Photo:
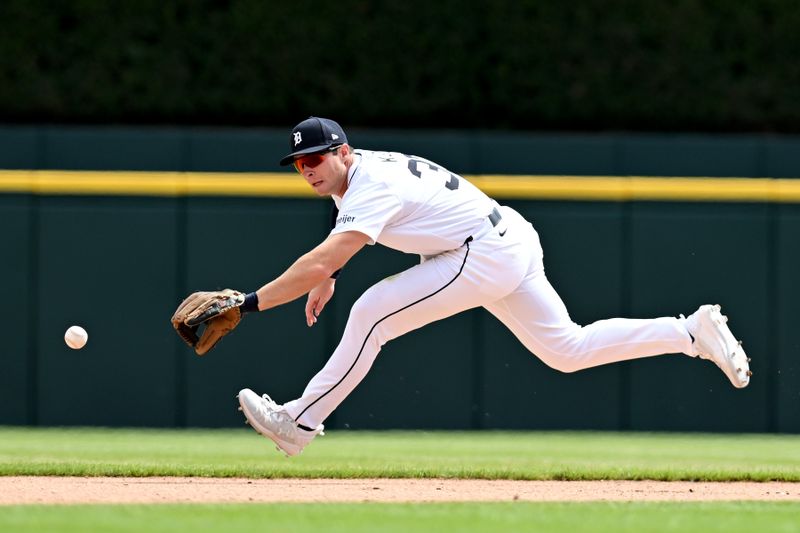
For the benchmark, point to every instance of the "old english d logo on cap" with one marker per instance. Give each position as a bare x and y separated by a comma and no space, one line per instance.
312,135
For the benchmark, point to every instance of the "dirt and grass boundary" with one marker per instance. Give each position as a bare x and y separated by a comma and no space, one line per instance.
128,490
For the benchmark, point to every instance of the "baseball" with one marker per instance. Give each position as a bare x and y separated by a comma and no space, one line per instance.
76,337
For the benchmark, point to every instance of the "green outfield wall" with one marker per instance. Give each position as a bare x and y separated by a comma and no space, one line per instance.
465,151
119,265
116,252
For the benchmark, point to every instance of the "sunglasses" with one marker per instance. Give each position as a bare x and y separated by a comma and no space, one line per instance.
312,160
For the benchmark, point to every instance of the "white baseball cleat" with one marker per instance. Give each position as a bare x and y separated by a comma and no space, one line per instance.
713,340
272,421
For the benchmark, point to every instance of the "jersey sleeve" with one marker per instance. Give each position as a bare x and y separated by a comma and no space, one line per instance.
367,210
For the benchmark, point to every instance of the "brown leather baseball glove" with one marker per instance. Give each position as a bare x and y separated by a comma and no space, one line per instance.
217,310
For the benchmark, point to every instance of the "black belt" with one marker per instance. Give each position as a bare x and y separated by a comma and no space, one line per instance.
495,217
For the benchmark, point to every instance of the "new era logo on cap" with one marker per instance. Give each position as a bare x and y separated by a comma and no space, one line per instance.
314,135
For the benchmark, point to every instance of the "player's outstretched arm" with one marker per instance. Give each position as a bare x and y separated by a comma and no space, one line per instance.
311,269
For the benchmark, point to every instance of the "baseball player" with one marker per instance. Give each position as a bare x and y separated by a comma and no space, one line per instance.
474,253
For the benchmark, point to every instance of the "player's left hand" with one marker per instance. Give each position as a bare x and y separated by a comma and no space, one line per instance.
317,298
218,310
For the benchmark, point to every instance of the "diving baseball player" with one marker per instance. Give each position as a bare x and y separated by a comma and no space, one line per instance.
475,253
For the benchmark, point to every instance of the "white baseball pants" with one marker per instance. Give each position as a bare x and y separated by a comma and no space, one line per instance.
503,274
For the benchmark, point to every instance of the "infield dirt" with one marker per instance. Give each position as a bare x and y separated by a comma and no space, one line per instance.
76,490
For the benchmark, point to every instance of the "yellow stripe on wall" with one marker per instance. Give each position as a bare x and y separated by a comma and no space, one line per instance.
640,188
153,183
288,185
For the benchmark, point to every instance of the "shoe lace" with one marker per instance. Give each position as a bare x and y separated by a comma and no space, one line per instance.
270,402
270,409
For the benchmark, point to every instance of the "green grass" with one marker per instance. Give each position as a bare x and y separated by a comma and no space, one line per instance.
728,517
349,454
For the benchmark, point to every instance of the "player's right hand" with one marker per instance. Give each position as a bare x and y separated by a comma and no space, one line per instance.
317,298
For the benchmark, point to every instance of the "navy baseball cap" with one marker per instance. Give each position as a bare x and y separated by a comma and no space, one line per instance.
312,135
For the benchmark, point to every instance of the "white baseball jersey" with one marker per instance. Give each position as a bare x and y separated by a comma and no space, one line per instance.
409,203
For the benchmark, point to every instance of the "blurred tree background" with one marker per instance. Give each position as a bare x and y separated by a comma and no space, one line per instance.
680,65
